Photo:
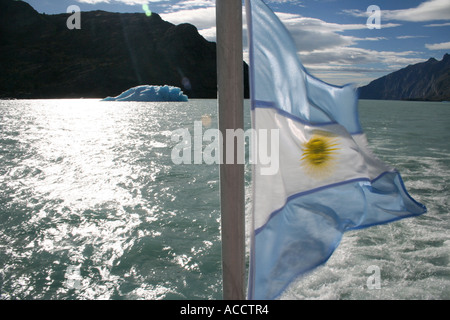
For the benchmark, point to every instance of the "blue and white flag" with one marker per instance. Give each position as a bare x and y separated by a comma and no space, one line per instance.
327,182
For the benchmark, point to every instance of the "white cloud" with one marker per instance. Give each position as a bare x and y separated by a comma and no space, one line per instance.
93,1
323,46
427,11
438,24
189,4
355,65
410,37
310,32
314,34
296,3
438,46
203,18
351,56
314,24
127,2
371,39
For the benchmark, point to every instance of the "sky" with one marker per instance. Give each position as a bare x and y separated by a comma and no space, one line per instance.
336,39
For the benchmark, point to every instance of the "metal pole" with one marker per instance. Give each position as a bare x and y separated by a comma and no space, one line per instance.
230,104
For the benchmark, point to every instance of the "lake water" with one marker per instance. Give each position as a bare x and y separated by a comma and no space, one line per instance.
93,207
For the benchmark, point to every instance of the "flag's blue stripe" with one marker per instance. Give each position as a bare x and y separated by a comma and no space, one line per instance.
307,192
266,291
271,105
416,208
312,227
402,189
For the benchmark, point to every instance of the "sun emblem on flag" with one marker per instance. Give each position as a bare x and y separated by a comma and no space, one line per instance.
319,154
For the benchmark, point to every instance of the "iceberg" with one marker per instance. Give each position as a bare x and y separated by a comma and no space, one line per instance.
150,93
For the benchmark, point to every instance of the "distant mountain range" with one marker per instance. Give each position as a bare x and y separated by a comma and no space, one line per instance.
112,52
429,81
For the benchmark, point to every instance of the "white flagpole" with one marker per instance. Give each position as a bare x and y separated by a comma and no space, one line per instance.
230,104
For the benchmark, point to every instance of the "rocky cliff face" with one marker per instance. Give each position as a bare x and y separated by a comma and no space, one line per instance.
428,80
42,58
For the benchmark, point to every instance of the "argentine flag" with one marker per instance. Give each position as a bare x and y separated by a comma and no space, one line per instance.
328,181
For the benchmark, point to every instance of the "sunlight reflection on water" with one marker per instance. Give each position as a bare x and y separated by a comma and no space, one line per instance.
92,207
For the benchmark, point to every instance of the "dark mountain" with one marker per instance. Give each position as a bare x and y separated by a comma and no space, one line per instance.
41,58
428,80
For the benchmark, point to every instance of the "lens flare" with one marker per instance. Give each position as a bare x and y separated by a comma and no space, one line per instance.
147,10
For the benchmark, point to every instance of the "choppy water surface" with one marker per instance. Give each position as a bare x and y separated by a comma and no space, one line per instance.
92,206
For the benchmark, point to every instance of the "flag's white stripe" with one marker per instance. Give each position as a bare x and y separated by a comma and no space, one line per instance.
350,161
